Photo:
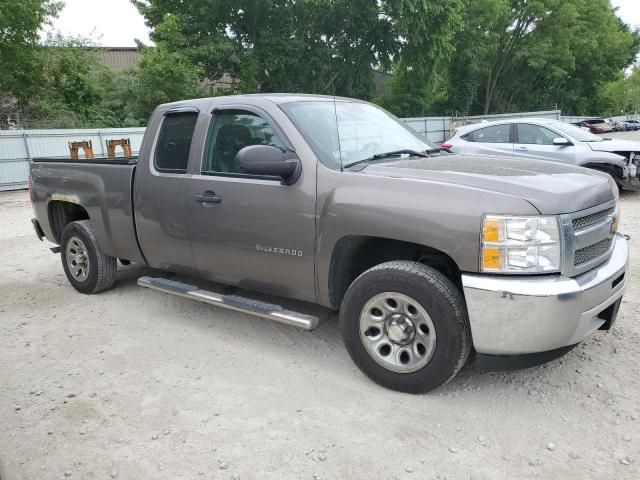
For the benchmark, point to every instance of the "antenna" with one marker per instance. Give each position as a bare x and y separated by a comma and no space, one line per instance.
335,108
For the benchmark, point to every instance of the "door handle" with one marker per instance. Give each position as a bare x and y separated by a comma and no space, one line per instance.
207,197
522,149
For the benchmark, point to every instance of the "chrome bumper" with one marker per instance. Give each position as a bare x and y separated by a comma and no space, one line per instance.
515,315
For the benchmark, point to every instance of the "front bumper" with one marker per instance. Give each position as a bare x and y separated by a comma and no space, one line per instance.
514,315
632,180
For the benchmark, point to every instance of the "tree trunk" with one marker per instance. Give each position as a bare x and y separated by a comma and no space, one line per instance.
487,97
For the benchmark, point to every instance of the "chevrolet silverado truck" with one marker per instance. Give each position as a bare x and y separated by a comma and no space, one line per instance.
428,257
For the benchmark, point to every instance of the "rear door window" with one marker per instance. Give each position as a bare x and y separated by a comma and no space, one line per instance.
493,134
174,142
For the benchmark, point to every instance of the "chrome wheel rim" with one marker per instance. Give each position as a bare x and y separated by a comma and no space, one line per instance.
397,332
77,259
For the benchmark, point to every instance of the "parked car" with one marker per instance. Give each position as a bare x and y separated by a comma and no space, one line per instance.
632,125
598,125
548,139
618,126
581,126
338,203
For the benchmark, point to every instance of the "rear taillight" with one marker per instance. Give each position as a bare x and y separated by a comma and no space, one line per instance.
446,146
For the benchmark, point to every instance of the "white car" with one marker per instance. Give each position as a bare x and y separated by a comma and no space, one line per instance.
549,139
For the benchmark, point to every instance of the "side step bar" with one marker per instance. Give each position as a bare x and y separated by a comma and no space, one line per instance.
233,302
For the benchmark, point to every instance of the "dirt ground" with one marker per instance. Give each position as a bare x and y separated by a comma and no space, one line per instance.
134,384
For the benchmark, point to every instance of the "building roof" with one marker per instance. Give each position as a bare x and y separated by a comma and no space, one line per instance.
118,59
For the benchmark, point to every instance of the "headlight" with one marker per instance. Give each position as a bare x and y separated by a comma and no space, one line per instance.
520,244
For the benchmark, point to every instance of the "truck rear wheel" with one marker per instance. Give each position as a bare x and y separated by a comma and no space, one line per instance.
405,326
88,268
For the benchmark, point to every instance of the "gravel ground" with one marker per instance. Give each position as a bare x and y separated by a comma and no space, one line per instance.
134,384
623,135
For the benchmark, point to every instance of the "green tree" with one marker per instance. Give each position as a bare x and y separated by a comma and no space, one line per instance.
72,86
423,30
77,90
162,76
473,44
537,54
20,72
621,95
312,46
20,22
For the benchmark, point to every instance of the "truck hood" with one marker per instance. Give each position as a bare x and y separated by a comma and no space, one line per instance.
552,188
615,145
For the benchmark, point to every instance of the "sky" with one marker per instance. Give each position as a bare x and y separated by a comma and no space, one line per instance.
109,23
629,11
117,23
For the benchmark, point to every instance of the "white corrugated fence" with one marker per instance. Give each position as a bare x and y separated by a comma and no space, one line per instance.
17,147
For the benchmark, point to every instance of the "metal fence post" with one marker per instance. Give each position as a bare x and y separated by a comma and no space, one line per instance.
26,145
101,144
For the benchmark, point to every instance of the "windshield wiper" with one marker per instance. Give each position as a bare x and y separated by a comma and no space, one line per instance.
393,153
397,153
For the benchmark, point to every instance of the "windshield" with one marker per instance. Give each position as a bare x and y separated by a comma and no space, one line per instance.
576,133
362,131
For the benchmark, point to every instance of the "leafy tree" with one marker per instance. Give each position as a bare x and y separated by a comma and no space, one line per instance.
569,58
465,56
474,44
71,89
20,22
78,91
422,32
20,72
313,46
163,76
622,95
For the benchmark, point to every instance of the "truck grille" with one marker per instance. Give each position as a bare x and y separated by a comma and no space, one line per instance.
588,238
587,254
588,220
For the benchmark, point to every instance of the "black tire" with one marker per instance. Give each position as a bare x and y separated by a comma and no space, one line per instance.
101,270
437,295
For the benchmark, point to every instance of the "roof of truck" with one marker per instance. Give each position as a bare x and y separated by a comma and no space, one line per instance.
277,98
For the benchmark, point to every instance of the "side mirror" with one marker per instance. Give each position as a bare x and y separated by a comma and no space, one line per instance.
269,161
561,142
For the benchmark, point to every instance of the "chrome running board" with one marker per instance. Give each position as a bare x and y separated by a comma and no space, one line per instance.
233,302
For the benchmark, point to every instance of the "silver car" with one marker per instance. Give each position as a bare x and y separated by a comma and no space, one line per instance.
550,139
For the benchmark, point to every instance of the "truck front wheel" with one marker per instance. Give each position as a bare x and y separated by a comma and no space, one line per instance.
88,268
405,326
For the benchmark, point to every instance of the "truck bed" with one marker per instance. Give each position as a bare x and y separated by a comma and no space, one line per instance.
102,186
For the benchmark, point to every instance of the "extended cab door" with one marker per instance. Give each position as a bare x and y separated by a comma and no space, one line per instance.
162,187
536,141
250,231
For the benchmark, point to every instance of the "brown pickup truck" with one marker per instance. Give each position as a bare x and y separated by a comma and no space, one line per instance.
427,256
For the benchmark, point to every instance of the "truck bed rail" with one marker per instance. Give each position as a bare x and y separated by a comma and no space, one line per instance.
95,161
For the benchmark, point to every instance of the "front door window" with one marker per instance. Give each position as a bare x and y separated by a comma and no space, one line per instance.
230,132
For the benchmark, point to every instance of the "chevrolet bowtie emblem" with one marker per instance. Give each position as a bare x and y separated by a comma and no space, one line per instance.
614,225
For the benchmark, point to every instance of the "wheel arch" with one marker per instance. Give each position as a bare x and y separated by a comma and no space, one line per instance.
354,254
61,213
